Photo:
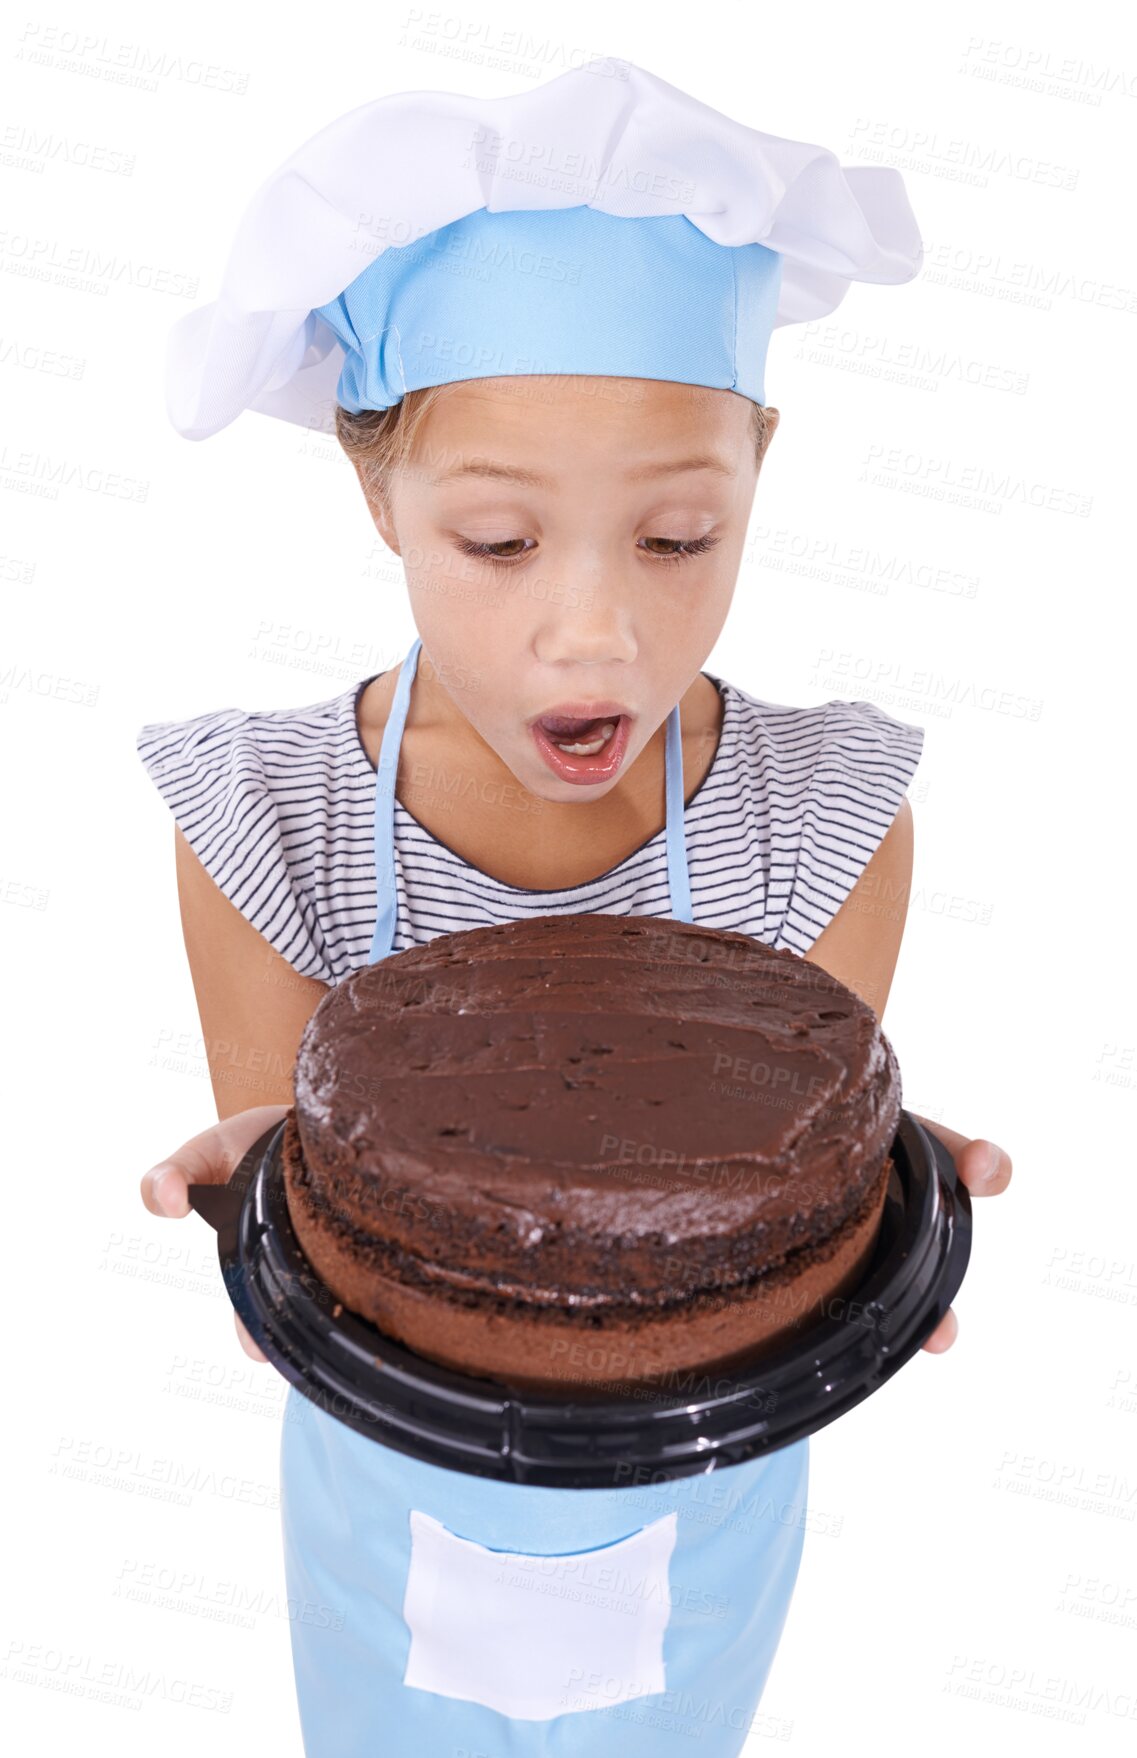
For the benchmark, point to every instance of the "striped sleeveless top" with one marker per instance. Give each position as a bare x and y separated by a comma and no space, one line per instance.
278,805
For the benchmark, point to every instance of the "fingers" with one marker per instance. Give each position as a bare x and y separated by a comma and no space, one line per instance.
210,1157
985,1167
246,1341
164,1190
944,1334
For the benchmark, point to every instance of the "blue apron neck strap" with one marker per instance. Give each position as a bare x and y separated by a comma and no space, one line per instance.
678,878
386,898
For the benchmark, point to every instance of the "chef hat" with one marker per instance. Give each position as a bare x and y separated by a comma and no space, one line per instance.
605,223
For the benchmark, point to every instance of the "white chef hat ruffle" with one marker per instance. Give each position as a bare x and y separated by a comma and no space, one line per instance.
605,222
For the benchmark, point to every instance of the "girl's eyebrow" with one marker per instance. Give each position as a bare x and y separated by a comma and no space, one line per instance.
531,479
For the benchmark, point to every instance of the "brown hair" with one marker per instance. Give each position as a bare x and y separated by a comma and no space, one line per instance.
379,441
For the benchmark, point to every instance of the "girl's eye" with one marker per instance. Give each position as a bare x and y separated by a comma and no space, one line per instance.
488,552
677,551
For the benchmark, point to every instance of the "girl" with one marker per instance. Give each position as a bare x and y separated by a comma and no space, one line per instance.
556,414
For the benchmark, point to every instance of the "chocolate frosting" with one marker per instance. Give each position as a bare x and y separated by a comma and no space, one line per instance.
587,1111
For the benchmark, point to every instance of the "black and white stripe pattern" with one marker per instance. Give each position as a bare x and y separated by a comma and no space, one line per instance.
279,805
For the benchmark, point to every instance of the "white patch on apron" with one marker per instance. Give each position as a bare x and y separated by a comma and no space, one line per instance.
537,1636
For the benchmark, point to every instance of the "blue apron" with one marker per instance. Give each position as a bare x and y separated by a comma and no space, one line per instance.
437,1612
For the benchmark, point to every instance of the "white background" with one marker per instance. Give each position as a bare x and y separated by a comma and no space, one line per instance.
964,442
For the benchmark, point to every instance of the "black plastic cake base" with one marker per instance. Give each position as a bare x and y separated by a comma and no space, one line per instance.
707,1420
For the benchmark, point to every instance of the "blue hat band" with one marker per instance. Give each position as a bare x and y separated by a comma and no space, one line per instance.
567,290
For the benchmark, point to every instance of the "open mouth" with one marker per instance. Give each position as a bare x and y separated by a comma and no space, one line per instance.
582,749
579,738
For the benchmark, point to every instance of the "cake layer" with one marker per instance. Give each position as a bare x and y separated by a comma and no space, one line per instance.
575,1112
676,1345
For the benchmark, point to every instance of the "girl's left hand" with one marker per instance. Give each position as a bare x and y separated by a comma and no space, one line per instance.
985,1168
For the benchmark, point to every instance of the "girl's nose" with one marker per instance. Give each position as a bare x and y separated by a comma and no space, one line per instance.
586,629
593,647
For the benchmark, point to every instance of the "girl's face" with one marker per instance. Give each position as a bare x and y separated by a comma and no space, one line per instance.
571,547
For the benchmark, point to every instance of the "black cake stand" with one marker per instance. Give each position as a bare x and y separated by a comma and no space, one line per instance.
465,1423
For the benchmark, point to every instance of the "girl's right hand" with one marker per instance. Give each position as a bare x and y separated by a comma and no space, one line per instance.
209,1158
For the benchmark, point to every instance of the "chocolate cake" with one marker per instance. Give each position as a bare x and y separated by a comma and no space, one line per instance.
590,1151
